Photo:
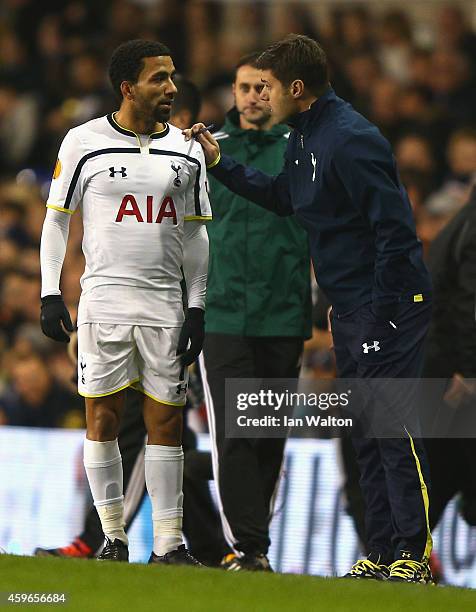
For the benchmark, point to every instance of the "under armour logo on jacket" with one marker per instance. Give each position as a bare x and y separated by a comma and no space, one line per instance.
314,164
113,171
375,346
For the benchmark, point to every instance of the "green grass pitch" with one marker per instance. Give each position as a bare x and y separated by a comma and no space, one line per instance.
97,586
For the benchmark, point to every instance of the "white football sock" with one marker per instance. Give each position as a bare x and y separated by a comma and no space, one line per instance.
103,464
164,480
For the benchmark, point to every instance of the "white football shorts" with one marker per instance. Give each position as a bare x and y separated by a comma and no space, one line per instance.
113,357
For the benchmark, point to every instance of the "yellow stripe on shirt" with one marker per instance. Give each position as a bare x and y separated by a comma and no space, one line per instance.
65,210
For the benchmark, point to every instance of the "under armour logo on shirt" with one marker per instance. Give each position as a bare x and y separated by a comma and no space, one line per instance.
314,164
375,346
113,171
181,389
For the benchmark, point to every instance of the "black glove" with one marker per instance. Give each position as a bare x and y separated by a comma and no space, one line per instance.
53,313
193,329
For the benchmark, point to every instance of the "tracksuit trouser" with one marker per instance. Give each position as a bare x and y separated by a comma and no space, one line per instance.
246,470
394,477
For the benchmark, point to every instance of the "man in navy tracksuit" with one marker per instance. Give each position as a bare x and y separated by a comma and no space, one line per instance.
340,180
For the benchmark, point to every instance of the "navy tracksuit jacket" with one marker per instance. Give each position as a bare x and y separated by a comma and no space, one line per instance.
340,181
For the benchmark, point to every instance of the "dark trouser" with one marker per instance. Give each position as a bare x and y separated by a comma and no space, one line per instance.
201,523
246,470
355,505
393,470
450,457
450,462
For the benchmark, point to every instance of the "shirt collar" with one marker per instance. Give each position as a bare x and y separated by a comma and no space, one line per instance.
122,130
301,120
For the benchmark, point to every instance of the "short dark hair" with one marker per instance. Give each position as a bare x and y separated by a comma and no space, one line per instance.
187,98
297,57
250,59
127,61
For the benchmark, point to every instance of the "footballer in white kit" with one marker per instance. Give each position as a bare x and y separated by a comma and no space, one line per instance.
137,195
142,193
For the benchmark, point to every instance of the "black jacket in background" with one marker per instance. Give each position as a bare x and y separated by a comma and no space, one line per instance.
451,341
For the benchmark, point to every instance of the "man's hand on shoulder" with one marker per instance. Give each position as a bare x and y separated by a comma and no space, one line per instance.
210,146
53,313
193,329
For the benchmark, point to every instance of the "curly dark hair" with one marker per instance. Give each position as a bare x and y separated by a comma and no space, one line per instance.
127,61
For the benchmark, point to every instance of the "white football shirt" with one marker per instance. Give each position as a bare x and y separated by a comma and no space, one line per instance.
135,192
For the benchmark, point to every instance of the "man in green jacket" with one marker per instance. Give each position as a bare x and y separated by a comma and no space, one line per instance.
258,313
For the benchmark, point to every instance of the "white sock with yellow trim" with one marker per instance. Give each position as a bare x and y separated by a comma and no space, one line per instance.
103,465
164,481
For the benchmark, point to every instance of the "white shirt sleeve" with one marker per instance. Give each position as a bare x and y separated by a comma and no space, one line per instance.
67,184
198,204
54,238
195,263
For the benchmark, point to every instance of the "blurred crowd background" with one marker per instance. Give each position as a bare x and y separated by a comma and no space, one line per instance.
409,67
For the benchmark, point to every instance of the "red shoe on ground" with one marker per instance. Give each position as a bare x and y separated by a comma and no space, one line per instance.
77,549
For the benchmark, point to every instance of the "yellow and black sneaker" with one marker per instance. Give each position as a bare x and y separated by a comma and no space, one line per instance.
250,562
409,570
228,560
366,569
